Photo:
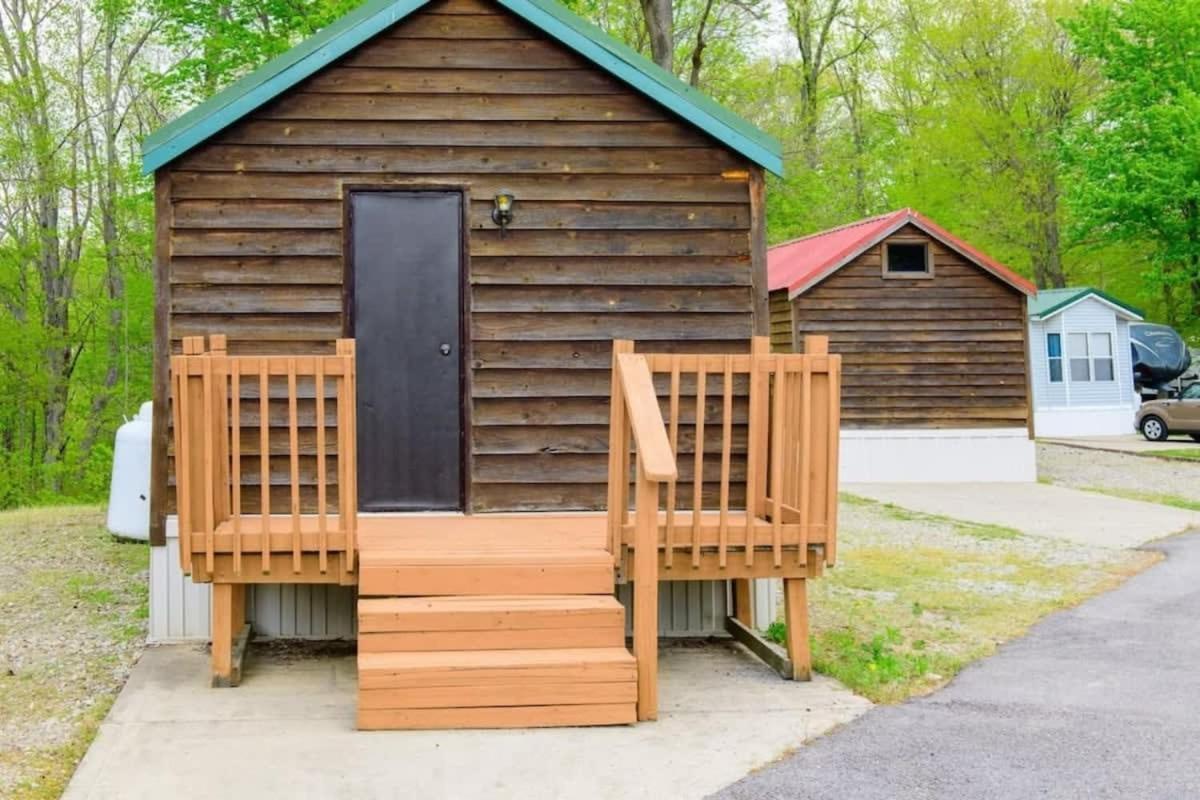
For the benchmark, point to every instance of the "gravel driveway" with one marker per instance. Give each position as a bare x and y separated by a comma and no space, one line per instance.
1118,473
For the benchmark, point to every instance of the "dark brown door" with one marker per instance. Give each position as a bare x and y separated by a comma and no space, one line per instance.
406,268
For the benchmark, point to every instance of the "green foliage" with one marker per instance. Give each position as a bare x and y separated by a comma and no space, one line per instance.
1136,159
220,41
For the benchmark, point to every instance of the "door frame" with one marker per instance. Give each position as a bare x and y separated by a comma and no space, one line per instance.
349,188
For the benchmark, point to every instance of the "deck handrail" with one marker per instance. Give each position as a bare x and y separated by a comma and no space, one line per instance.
214,393
786,410
641,424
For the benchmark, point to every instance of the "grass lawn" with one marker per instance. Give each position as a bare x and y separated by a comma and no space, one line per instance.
915,598
73,609
1182,453
1160,498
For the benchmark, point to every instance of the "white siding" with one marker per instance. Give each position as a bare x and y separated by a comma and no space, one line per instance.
1075,408
1045,393
180,609
1091,316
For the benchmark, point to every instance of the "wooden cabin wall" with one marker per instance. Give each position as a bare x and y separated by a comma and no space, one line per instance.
781,321
629,223
943,352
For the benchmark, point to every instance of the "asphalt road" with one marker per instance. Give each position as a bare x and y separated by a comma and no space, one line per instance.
1102,701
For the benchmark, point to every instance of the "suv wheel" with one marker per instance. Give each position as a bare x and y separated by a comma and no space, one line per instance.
1154,429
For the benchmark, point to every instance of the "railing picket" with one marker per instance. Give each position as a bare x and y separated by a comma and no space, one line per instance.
726,457
673,435
209,463
264,461
235,441
618,455
777,428
183,434
322,521
349,510
760,347
698,463
834,423
806,442
294,454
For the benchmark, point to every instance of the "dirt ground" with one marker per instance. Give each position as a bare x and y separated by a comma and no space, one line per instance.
73,610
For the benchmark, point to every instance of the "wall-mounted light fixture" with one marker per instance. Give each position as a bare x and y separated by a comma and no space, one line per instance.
502,213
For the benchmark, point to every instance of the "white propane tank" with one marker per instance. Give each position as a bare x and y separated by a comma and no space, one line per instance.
129,496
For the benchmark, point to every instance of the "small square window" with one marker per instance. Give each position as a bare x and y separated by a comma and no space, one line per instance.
906,258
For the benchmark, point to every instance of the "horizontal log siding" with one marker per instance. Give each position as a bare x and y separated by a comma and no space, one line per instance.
781,321
943,352
624,228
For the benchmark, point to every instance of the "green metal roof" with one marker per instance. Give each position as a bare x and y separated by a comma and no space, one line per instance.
281,73
1048,302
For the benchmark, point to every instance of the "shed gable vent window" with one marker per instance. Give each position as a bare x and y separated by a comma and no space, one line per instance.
906,259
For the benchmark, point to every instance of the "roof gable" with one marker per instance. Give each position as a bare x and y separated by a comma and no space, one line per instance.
801,264
556,21
1050,302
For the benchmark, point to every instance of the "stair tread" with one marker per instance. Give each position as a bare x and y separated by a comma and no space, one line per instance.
471,556
491,659
487,603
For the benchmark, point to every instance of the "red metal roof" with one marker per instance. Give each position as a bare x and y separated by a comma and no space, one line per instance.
802,263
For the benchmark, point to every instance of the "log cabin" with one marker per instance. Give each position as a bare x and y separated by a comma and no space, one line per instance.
400,272
934,336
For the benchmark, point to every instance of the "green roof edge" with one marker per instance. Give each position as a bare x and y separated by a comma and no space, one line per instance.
1075,296
327,45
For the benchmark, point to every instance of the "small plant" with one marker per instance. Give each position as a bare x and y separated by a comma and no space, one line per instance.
777,632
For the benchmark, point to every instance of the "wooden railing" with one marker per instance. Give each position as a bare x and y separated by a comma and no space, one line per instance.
779,467
639,421
216,398
763,460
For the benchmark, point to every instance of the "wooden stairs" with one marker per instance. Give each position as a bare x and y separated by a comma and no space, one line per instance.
505,623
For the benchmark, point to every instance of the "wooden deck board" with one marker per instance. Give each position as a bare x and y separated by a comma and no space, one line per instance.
506,717
500,695
488,613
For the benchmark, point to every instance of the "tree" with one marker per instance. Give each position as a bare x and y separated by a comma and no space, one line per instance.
1136,160
1002,87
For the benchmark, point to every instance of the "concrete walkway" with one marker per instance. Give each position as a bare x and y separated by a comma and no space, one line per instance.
1038,509
1097,702
288,731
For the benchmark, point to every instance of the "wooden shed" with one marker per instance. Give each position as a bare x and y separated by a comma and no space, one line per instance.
401,268
933,333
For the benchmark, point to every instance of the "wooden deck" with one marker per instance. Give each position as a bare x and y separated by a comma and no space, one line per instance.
510,620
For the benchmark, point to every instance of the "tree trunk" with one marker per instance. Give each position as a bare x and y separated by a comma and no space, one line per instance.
660,25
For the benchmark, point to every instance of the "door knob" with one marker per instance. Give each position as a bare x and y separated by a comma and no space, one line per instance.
445,348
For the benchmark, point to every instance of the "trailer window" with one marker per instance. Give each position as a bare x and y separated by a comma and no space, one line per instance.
1081,364
1054,356
1102,357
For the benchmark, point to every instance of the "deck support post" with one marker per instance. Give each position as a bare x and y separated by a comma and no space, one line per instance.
645,595
743,604
795,600
230,633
